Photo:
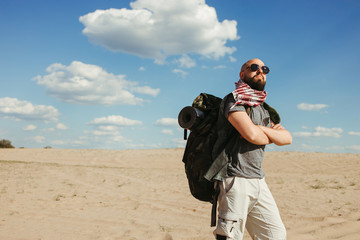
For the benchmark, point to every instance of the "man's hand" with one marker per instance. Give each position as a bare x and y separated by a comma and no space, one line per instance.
258,134
276,126
277,134
247,129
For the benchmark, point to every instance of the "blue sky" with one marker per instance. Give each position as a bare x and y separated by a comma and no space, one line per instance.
115,74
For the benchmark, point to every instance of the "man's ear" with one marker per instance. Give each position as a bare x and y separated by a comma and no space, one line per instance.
241,75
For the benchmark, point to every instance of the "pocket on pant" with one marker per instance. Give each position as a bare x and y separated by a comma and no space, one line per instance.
225,228
228,184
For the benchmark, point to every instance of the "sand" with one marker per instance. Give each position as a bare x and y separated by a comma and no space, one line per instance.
143,194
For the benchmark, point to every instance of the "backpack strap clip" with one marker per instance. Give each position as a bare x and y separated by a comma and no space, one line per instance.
185,134
214,204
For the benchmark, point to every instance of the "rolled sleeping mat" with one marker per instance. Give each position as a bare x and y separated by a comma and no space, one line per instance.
189,117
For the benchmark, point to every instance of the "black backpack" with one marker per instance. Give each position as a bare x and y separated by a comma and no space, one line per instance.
201,120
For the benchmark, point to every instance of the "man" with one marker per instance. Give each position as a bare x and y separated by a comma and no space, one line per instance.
244,128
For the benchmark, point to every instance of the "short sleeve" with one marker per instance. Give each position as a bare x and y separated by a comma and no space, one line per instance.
229,102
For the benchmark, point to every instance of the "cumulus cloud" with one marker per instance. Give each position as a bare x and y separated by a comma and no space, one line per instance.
232,59
186,62
39,139
179,71
80,142
146,90
82,83
48,129
157,29
104,133
180,143
354,147
115,120
108,128
61,126
167,122
328,132
311,107
58,142
219,67
334,148
321,132
167,131
309,147
24,110
29,128
354,133
302,134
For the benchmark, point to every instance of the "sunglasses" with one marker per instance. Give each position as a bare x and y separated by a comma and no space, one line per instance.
254,67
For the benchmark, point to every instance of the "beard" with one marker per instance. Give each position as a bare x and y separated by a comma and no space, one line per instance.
257,84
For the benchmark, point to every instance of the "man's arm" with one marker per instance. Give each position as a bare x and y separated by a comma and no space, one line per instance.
248,130
277,134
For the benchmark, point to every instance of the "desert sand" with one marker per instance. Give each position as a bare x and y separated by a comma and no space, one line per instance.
50,194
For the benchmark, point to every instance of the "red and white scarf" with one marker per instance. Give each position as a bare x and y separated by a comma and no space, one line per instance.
245,95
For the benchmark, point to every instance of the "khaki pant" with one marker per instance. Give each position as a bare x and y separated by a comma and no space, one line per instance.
248,203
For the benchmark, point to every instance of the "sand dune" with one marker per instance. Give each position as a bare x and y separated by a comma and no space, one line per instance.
143,194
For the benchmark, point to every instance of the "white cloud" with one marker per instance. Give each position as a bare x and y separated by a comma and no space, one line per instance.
146,90
61,126
39,139
354,147
24,110
179,143
82,83
48,129
182,72
302,134
167,122
141,69
80,143
311,107
108,128
354,133
121,139
232,59
29,128
321,132
219,67
157,29
334,148
328,132
58,142
115,121
186,62
104,133
309,147
167,131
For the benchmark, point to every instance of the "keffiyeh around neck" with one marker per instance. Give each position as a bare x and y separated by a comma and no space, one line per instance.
245,95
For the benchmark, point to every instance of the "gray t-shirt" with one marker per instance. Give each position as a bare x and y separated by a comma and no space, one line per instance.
242,158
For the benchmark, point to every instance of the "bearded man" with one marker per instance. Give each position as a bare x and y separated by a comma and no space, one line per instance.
244,128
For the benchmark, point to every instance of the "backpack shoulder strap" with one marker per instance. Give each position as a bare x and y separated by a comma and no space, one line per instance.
274,115
248,109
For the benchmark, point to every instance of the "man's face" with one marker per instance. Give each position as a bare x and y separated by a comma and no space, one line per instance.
255,79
